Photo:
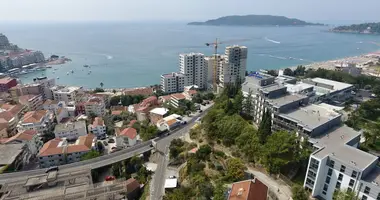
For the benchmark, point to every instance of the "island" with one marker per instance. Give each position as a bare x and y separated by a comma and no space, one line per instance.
255,20
365,28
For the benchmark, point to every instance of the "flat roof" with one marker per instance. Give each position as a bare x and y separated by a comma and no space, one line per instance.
334,145
271,88
171,183
159,111
311,116
70,126
284,100
336,85
9,153
297,87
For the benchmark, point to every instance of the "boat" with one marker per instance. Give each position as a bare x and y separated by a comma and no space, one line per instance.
85,66
67,73
57,77
48,66
72,71
55,69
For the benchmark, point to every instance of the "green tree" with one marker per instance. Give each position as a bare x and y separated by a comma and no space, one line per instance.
90,155
249,143
203,152
344,195
114,91
272,72
219,192
101,84
197,98
235,169
247,105
288,72
265,127
98,90
299,193
238,102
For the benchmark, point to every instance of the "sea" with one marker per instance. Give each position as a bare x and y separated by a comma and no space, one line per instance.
135,54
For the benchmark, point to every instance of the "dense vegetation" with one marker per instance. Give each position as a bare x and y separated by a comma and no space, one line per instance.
126,100
254,20
373,28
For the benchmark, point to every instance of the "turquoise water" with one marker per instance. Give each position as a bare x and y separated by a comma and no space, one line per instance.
135,54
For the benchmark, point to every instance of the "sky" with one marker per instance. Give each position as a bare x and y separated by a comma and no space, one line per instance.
185,10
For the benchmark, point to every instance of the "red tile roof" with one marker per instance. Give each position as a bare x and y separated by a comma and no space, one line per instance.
6,115
178,96
34,116
150,100
248,190
191,92
51,148
84,143
26,98
165,98
6,80
132,185
131,133
132,122
116,112
25,136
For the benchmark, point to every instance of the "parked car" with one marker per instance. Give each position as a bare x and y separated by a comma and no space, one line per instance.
111,140
105,143
171,177
110,178
53,168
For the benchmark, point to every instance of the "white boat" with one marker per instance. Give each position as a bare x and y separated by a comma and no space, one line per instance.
72,71
67,73
57,77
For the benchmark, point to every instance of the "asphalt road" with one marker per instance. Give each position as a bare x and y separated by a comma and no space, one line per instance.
162,147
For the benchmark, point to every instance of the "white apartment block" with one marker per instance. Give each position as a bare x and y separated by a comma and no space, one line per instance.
193,66
98,127
32,102
70,130
96,106
40,121
172,83
68,94
46,84
236,58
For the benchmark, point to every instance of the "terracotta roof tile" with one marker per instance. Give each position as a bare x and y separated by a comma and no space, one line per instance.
16,109
248,190
34,116
51,148
84,143
5,80
21,136
26,98
178,96
132,185
167,97
129,132
6,115
6,106
171,122
132,122
146,91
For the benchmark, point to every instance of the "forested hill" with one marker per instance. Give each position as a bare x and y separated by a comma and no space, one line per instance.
255,20
366,28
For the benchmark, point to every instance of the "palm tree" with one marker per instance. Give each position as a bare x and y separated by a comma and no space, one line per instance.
101,84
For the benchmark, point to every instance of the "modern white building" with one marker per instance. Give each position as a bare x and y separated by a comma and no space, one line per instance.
193,66
70,130
95,105
172,83
32,102
98,127
40,121
68,94
337,163
236,59
46,85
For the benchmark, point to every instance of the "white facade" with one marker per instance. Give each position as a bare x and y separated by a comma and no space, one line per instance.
68,94
236,58
71,130
193,66
95,106
98,127
40,121
172,83
46,84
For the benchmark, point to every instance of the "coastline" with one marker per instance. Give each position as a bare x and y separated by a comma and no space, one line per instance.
360,60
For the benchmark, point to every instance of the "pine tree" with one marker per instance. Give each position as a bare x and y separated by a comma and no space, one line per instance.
247,104
265,128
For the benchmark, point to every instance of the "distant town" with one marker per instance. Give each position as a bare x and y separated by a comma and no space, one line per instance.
211,130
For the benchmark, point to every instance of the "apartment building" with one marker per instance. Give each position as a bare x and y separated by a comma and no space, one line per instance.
28,89
95,105
51,105
172,82
13,156
211,62
97,127
236,59
28,137
6,83
70,130
46,85
68,94
193,66
40,121
59,151
32,102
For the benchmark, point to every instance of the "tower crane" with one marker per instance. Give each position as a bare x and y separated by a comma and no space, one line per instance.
216,44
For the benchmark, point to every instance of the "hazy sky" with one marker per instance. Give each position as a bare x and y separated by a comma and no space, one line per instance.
184,10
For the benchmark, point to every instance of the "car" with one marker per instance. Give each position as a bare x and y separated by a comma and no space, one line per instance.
111,140
200,111
110,178
171,177
53,168
105,143
183,122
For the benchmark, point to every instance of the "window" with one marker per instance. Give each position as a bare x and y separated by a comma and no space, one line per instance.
352,181
329,172
366,190
332,163
342,168
364,197
340,177
324,192
328,180
337,186
378,197
354,174
325,187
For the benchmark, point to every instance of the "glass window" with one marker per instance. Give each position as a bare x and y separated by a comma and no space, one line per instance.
354,174
325,187
378,197
366,190
328,180
364,197
329,172
337,186
332,163
342,168
340,177
352,181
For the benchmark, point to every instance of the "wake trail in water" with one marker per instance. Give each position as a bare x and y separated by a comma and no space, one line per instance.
273,41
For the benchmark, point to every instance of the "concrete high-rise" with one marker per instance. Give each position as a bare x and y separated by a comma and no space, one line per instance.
193,66
236,59
172,83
